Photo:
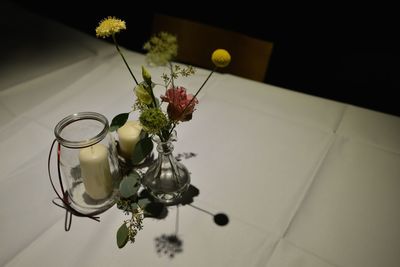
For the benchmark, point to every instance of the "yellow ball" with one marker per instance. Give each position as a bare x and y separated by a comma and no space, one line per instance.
221,58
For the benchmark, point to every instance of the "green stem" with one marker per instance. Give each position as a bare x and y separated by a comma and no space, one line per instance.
166,85
194,97
172,74
201,87
152,96
126,63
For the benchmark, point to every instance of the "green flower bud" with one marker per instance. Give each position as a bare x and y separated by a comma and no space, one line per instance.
146,76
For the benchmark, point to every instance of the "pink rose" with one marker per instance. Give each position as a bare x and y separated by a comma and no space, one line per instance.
178,109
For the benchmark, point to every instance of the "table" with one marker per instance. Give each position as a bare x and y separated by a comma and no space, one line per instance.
305,181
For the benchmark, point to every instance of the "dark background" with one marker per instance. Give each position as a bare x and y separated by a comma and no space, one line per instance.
333,50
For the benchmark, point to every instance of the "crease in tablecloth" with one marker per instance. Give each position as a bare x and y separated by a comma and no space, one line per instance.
288,254
26,210
373,127
253,161
34,45
204,243
283,103
350,216
20,141
24,97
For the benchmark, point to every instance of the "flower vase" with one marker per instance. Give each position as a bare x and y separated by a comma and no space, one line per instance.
166,178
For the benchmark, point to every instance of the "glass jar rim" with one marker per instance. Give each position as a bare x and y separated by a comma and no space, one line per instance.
87,115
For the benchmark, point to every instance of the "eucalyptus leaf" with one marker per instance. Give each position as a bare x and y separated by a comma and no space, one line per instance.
143,202
134,206
129,185
143,134
122,236
142,149
118,121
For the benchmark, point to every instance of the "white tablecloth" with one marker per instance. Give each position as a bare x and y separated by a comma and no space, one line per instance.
305,181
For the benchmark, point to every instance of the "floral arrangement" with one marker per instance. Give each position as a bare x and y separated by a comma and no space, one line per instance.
154,117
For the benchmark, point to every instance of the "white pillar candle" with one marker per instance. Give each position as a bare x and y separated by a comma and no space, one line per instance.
128,136
95,170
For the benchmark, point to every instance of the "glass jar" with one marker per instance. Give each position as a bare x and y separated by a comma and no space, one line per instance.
88,161
166,179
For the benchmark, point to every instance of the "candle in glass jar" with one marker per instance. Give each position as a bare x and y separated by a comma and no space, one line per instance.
128,136
95,170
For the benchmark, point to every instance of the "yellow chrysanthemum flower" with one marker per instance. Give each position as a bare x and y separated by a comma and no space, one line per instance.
221,58
110,26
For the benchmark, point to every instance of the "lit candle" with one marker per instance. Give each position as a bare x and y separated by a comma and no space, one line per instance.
128,136
95,171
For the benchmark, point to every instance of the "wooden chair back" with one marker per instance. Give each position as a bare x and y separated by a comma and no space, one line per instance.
197,41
